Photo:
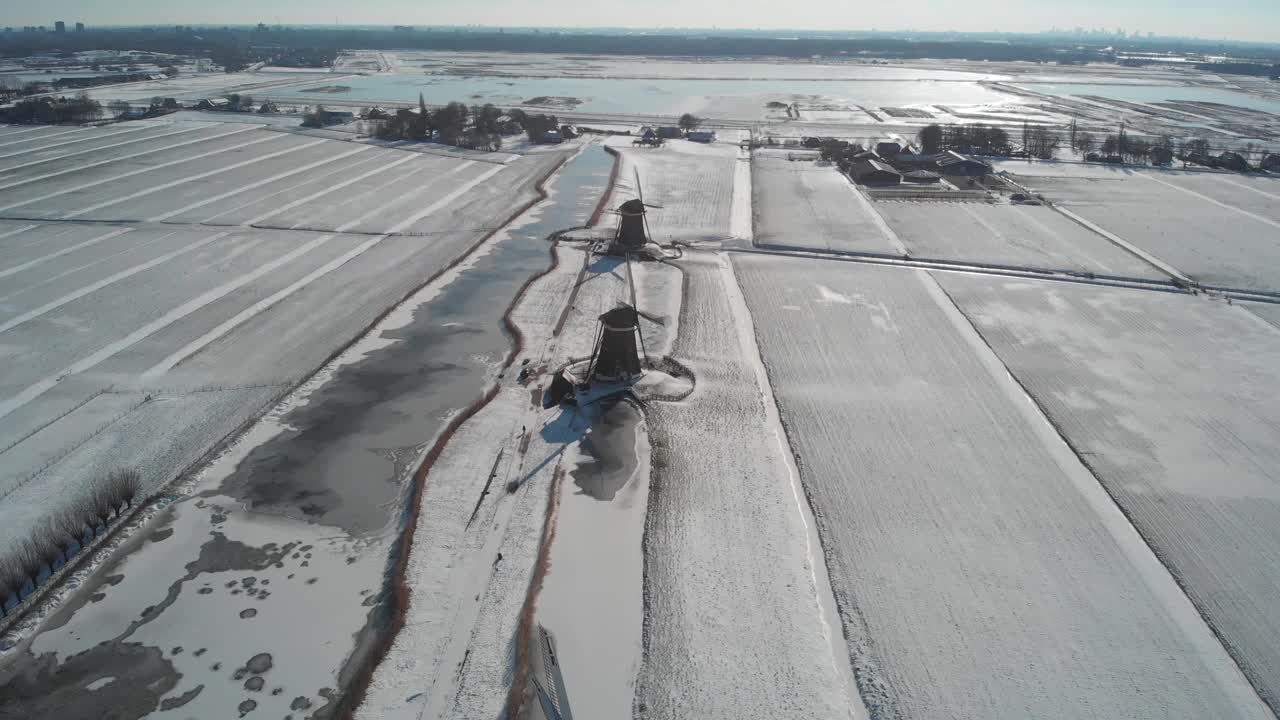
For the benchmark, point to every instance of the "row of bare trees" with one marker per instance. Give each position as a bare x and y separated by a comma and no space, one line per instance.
30,563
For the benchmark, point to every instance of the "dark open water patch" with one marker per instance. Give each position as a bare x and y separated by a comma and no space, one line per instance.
349,450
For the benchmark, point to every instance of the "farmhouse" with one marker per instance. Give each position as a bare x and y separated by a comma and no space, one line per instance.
702,136
953,163
874,172
669,132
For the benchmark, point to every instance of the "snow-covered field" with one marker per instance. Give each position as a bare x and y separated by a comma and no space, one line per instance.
693,183
980,569
143,343
1216,228
1011,235
739,620
812,205
1168,399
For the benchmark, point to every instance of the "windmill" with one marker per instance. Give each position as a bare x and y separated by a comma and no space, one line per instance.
633,224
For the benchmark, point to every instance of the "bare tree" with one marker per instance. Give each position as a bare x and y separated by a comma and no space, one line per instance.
1084,143
118,108
689,121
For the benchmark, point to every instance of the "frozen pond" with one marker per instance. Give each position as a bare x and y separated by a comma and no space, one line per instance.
648,96
1158,94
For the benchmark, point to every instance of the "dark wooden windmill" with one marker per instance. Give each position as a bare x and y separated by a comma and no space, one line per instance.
633,224
616,357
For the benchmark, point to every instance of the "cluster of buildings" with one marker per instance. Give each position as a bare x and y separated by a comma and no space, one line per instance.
655,136
892,163
59,27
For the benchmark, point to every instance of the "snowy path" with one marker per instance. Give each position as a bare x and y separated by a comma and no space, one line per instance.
977,573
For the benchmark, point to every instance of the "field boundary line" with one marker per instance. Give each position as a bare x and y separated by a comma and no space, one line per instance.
1159,264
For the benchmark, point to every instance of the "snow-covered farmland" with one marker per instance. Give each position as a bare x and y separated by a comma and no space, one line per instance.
1169,400
1217,229
812,205
980,569
1009,235
739,616
693,183
142,343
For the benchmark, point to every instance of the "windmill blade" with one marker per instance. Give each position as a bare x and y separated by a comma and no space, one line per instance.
639,189
652,205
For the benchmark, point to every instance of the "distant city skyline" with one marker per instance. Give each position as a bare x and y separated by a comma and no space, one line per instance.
1247,20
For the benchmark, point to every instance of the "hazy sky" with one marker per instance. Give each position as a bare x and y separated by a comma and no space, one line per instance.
1239,19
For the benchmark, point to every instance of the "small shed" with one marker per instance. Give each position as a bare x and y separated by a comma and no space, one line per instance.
702,136
340,117
669,132
953,163
213,104
875,172
550,137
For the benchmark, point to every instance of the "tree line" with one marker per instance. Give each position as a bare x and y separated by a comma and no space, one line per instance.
479,127
52,110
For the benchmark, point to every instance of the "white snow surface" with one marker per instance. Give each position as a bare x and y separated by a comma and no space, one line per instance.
212,323
1009,235
1165,397
692,182
734,619
812,205
1216,228
980,570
